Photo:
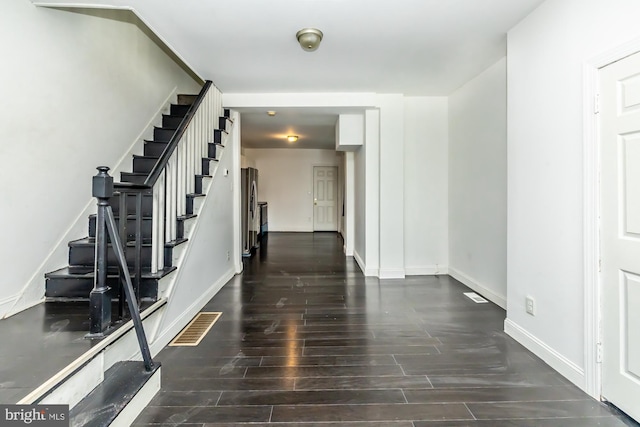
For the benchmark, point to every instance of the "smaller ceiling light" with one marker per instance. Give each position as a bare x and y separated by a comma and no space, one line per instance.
309,38
271,113
292,138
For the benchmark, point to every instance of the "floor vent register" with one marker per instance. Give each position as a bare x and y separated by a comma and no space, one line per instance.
196,330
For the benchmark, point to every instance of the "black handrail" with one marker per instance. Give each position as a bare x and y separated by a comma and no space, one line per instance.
177,136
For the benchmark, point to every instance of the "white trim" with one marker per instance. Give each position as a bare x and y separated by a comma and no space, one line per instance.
557,361
359,261
499,300
427,270
180,322
591,207
6,304
140,400
289,229
391,273
71,390
591,235
368,272
73,5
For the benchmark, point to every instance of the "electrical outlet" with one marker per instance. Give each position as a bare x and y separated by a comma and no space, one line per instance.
228,256
530,306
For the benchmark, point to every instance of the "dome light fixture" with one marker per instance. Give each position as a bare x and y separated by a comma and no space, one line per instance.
309,38
292,138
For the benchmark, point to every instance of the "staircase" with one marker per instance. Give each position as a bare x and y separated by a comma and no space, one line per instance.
154,207
75,282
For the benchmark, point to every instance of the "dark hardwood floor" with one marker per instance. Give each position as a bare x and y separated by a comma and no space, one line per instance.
307,340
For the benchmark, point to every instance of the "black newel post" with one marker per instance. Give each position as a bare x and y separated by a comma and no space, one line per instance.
100,298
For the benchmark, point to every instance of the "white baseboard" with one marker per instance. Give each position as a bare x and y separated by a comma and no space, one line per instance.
429,270
367,271
180,322
392,273
557,361
296,229
6,304
499,300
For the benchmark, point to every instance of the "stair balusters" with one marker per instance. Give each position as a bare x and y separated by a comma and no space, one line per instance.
171,183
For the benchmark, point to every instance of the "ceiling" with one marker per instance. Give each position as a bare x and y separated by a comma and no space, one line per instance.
413,47
315,128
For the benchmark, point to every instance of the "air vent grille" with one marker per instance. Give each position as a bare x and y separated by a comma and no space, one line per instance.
196,329
475,298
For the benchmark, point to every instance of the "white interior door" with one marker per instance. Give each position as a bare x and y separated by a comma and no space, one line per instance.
325,203
620,233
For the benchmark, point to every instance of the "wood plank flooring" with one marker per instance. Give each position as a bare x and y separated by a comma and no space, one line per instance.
306,340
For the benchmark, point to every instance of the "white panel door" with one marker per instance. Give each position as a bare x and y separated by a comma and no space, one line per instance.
325,203
620,233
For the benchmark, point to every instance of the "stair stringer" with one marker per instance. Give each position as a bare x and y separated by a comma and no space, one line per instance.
33,291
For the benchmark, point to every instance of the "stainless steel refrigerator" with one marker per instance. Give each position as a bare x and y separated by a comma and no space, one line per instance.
250,211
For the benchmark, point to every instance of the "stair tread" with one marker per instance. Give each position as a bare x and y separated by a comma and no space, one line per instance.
140,156
81,273
121,383
135,173
186,217
130,216
90,241
149,217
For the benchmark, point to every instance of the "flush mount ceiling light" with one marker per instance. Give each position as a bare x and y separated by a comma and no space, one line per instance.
309,38
271,113
292,138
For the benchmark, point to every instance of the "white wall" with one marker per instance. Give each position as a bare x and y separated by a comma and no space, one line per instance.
478,183
391,176
285,181
547,51
425,185
360,214
78,91
349,186
245,161
370,261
